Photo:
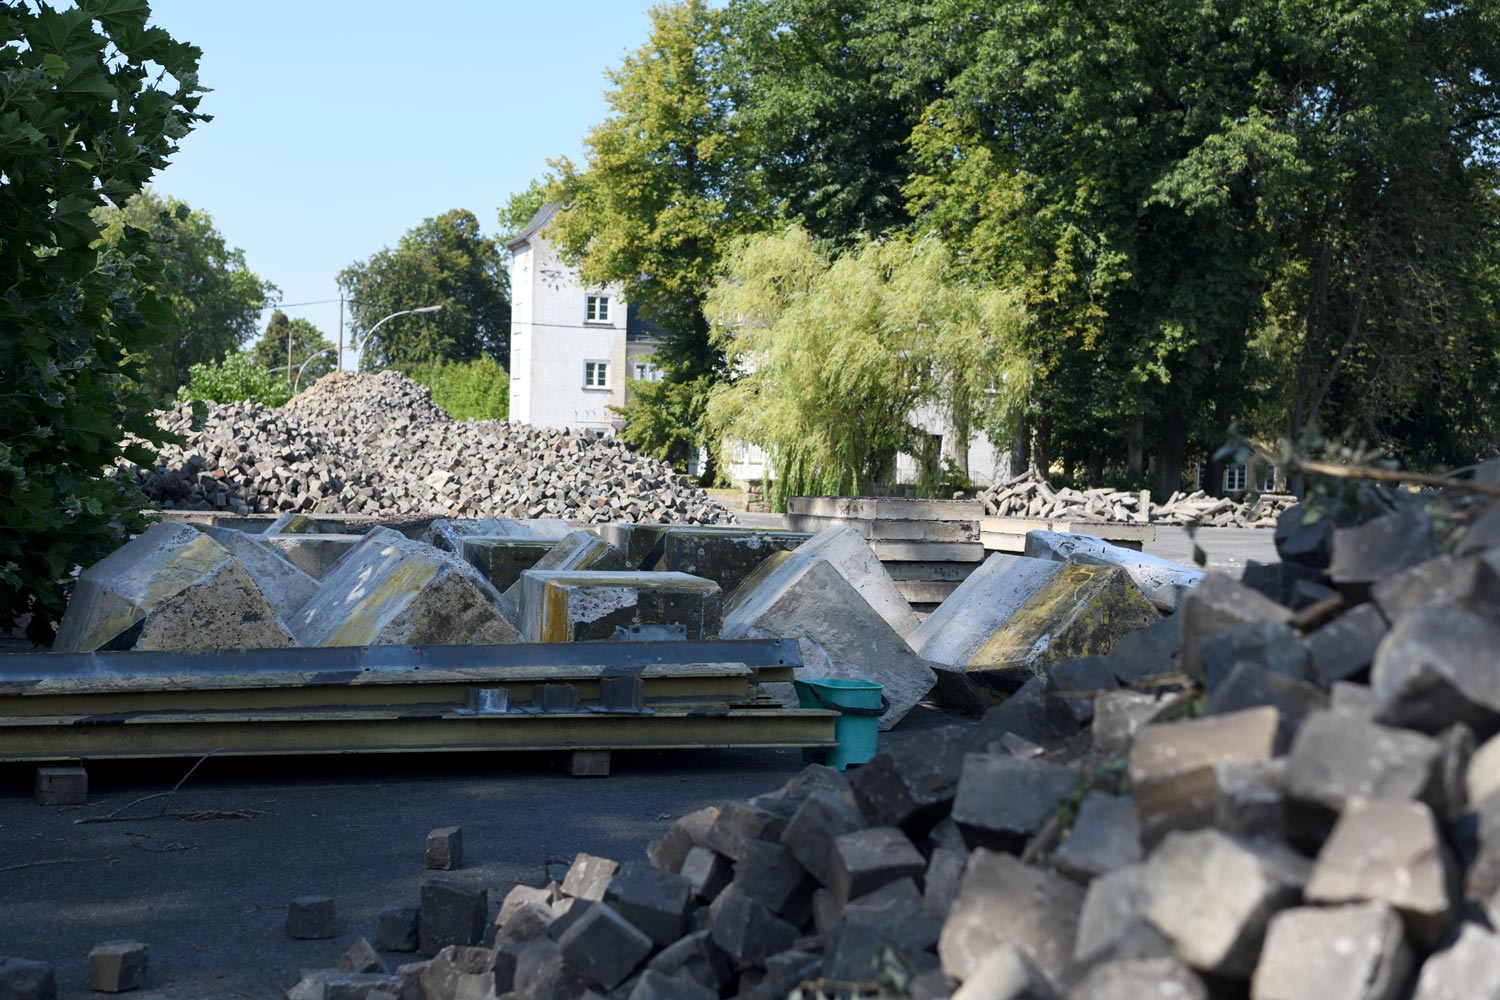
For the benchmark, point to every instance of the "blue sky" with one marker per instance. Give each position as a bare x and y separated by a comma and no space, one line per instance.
338,124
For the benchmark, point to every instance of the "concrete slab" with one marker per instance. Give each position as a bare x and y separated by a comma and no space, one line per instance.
575,551
447,532
315,554
286,586
293,523
1161,580
725,555
169,588
839,633
1014,612
563,606
390,589
502,560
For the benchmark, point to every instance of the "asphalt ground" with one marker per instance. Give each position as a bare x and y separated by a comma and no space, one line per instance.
206,887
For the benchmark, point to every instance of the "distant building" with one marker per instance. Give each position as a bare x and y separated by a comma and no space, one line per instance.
572,346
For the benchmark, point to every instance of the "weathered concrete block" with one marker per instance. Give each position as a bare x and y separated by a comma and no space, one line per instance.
576,606
1346,646
1336,757
1003,800
396,929
1213,894
501,561
465,972
838,632
1120,715
1113,907
518,896
317,555
655,901
865,860
1005,901
530,921
746,930
809,835
1436,667
575,552
1104,836
170,588
727,555
1216,605
444,849
1251,799
543,974
311,918
688,831
1392,853
26,979
61,786
1161,580
117,966
707,872
449,533
452,913
1469,967
1074,684
287,587
361,957
1339,953
588,877
294,523
604,945
1015,612
1148,652
1135,979
847,551
391,590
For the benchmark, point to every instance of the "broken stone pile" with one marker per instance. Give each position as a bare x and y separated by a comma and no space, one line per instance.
1288,790
378,445
1027,496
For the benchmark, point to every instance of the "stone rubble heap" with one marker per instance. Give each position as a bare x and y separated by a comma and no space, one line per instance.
1027,496
1288,790
378,445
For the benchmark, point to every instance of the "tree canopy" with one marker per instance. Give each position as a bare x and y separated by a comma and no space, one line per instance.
306,340
446,261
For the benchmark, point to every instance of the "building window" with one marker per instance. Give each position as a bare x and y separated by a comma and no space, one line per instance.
1266,479
646,372
597,310
1234,478
596,374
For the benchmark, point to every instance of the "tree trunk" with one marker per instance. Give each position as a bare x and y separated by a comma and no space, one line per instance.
1169,455
956,444
1042,446
1135,449
1020,449
1096,466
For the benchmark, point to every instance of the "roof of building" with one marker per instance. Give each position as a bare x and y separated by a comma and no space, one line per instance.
541,218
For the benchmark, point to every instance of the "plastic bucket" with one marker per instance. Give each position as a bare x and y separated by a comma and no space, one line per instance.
860,705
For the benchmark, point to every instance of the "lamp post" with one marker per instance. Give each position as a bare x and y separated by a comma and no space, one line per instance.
303,367
404,312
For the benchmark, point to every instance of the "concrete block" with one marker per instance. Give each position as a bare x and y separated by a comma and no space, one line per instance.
1213,894
26,979
1346,646
1074,684
1120,715
361,957
839,633
1104,836
391,590
543,974
1337,757
1374,550
769,874
317,555
396,929
1436,667
912,784
685,833
741,822
1272,646
1003,800
727,555
518,896
1002,900
707,872
453,912
1391,853
852,556
1019,613
588,877
698,958
501,561
311,918
293,523
466,972
449,533
444,849
286,586
589,763
1135,979
530,921
170,588
604,945
1113,907
1161,580
865,860
576,606
575,552
1216,605
655,901
117,966
822,817
61,786
1249,686
1336,953
1469,967
747,931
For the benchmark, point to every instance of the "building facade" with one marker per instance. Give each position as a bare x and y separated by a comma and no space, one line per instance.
572,346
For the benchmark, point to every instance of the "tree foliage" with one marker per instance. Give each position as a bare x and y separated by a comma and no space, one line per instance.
216,298
521,207
468,390
306,341
92,102
238,378
445,261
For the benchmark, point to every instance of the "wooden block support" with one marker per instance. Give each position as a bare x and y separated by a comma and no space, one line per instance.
589,763
61,786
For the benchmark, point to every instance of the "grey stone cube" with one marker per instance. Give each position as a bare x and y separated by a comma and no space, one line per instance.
311,918
117,966
452,912
444,849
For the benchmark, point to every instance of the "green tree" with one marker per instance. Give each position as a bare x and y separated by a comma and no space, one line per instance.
239,377
306,340
522,206
467,390
216,297
93,103
662,196
447,262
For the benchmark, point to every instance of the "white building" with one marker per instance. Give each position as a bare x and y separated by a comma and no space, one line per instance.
572,347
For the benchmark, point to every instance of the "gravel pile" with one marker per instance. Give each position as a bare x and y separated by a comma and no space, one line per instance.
378,445
1025,496
1290,790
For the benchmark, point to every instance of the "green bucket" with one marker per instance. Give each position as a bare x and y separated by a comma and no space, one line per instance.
860,705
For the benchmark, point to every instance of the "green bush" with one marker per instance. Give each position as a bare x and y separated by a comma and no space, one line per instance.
468,390
238,377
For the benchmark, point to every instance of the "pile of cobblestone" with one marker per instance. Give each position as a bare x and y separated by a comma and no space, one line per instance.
1028,496
378,445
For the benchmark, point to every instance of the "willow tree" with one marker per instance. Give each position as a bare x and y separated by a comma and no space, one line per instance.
833,356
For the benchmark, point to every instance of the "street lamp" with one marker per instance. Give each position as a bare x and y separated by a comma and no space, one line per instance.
405,312
303,367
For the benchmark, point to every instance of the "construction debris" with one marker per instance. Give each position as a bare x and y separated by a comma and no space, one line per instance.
1031,497
376,444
